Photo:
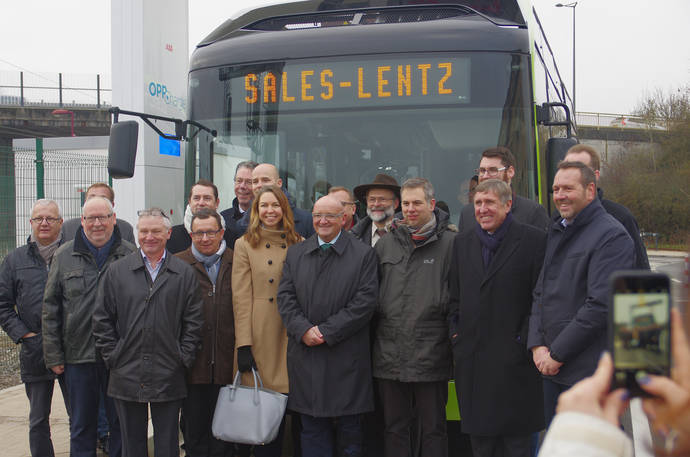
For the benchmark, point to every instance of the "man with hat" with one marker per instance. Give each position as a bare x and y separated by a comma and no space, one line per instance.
382,197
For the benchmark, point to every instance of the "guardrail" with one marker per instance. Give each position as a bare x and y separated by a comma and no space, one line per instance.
54,89
622,121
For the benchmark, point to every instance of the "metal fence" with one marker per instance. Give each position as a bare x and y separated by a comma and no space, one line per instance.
61,89
29,174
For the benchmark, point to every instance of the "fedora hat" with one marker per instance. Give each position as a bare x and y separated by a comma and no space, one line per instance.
381,181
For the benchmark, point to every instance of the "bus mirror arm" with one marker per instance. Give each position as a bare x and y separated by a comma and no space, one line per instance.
544,116
180,125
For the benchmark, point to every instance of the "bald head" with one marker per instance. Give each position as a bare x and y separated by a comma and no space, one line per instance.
328,217
265,174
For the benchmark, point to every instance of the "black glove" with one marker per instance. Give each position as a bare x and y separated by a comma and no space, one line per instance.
245,359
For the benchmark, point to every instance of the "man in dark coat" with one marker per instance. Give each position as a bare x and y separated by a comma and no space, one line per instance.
212,261
203,194
266,174
567,329
499,163
326,298
147,326
242,201
493,271
23,276
590,157
99,189
382,197
68,305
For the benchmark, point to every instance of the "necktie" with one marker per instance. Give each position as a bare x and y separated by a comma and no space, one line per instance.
325,246
381,232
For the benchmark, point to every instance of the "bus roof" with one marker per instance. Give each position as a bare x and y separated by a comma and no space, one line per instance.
435,28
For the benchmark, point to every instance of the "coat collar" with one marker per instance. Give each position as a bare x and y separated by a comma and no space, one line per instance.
508,246
312,243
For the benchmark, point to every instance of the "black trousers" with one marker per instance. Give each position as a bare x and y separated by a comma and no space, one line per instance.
40,395
501,446
197,415
410,409
134,427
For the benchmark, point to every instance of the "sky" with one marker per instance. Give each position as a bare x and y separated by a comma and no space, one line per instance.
625,49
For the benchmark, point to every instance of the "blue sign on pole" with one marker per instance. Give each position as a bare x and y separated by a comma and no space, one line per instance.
168,147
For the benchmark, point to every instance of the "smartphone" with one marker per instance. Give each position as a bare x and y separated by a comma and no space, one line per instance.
639,327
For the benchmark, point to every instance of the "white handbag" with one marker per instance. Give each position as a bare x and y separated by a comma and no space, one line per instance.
248,415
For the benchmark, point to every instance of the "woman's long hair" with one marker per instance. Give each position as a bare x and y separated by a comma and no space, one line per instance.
253,234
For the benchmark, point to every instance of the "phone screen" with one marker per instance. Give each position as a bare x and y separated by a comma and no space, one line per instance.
640,329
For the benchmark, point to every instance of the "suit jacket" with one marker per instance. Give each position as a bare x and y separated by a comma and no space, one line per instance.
494,371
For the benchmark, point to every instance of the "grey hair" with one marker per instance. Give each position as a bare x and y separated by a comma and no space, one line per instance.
154,211
108,203
47,202
497,186
414,183
250,164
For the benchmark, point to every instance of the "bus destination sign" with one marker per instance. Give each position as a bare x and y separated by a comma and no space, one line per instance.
350,84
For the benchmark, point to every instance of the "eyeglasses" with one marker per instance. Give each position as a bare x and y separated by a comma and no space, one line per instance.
101,219
493,171
211,235
377,200
49,220
328,217
152,212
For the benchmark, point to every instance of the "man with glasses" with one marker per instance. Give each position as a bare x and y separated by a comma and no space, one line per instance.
23,276
243,198
98,189
326,298
147,326
499,163
211,260
203,194
69,304
347,198
412,354
382,197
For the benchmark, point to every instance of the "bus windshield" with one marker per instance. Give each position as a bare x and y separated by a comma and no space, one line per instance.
339,122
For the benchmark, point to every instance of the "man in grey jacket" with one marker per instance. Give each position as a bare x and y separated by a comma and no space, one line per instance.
567,328
23,278
147,326
69,302
412,355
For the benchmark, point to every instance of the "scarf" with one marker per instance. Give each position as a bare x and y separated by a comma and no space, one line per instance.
420,235
211,262
491,242
100,254
48,250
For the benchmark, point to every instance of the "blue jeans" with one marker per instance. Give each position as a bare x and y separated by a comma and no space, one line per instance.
321,435
85,382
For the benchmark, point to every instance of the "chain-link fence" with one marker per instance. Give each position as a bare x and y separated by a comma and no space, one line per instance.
28,174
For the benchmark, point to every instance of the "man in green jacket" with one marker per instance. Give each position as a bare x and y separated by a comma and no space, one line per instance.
68,306
412,355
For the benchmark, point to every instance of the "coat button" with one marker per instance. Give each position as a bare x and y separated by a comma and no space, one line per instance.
283,246
270,280
268,245
210,293
282,235
270,262
270,299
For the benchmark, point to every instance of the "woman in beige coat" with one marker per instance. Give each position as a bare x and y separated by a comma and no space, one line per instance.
260,337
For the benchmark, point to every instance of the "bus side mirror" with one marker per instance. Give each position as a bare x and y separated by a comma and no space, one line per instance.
122,149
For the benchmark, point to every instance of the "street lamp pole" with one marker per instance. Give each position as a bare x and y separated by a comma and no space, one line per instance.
571,5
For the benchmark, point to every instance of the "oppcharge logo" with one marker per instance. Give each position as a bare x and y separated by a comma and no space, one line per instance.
160,91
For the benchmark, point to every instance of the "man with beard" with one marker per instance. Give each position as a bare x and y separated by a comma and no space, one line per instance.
499,163
382,197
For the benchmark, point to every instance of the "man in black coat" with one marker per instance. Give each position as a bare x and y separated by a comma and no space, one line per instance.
499,163
23,277
590,157
242,201
567,329
203,194
494,269
326,298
